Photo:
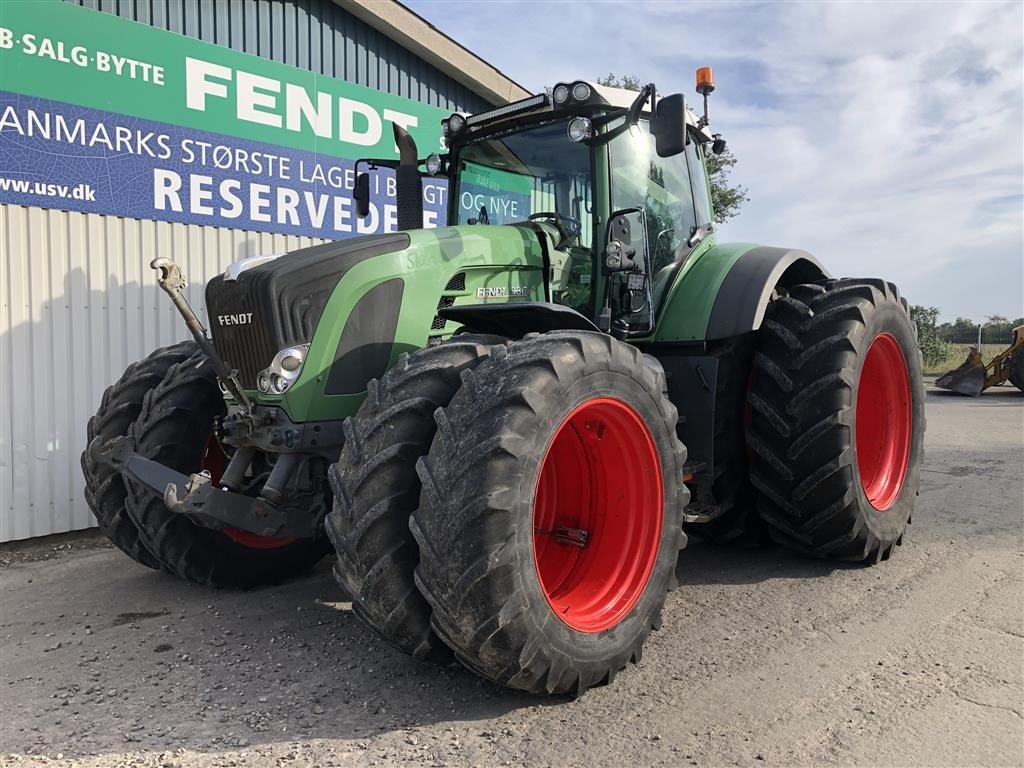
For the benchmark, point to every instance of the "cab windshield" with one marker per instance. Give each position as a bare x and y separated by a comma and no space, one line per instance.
511,178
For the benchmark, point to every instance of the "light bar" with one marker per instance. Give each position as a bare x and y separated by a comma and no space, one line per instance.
515,107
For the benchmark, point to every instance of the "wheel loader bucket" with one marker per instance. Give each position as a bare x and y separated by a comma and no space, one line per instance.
968,379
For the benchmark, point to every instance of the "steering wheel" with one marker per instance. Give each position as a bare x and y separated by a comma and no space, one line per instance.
568,227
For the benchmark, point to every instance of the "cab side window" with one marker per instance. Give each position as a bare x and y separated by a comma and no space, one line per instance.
699,182
659,185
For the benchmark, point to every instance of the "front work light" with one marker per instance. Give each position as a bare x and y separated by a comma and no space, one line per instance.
456,123
560,94
580,129
433,164
581,91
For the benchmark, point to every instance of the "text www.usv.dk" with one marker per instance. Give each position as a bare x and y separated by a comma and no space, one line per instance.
77,192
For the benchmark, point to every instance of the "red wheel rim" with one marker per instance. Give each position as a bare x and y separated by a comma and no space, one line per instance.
883,422
215,462
600,474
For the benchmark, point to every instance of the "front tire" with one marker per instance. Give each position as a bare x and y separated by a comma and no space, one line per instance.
175,428
837,428
563,433
105,490
376,490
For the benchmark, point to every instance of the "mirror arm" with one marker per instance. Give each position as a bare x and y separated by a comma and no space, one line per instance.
631,117
699,233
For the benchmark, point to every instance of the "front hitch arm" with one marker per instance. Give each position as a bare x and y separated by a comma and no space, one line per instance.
172,281
199,498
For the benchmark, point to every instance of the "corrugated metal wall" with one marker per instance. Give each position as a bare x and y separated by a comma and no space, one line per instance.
74,314
78,302
317,35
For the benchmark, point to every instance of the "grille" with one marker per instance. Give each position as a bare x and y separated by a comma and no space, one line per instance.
457,282
247,347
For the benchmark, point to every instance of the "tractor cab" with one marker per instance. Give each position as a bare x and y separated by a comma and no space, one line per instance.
615,179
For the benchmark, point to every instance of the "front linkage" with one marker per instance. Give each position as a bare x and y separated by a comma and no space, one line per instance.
218,502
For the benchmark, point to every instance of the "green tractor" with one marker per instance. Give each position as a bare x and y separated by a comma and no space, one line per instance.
505,428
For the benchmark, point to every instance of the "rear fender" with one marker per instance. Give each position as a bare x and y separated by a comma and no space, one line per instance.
724,291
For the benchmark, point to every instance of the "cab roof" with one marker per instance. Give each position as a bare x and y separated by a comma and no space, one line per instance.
601,96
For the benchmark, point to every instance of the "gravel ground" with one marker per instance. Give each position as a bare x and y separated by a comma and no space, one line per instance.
764,658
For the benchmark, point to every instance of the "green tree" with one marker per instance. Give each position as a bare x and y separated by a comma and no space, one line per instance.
933,348
726,198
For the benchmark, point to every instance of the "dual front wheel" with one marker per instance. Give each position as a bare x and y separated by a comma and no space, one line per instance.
544,521
168,403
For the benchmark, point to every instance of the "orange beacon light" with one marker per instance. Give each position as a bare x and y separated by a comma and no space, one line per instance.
705,81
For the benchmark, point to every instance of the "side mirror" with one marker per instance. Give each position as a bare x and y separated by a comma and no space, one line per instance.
669,126
361,194
718,145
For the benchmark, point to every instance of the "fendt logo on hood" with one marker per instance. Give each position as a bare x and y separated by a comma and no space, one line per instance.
242,318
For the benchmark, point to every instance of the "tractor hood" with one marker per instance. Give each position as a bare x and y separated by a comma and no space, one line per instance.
359,303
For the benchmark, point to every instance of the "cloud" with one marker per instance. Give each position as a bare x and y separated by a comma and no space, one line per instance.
887,139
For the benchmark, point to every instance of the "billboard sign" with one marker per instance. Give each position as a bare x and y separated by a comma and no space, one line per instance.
105,115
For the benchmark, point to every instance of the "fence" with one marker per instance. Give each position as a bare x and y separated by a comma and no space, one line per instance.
977,335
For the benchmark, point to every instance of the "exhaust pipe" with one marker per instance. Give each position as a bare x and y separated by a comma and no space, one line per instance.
408,182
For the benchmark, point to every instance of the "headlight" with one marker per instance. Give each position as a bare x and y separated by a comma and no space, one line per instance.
433,164
581,91
283,371
580,129
560,94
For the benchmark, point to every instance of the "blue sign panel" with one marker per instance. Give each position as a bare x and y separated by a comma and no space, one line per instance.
58,155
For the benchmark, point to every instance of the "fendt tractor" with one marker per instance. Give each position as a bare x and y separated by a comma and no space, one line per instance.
505,428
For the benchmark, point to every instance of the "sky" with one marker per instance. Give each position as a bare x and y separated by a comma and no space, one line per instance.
886,139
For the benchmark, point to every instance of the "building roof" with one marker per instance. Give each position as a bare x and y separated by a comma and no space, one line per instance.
426,41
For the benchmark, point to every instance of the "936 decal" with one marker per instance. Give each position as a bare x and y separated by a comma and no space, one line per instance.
502,292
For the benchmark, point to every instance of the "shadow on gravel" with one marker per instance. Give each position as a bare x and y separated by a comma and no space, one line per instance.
123,659
702,563
1001,395
106,657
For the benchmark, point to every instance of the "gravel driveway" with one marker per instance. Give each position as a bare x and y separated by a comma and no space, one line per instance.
764,658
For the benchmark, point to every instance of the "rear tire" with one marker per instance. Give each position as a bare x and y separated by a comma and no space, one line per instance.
556,433
1016,374
376,489
105,490
173,428
837,428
